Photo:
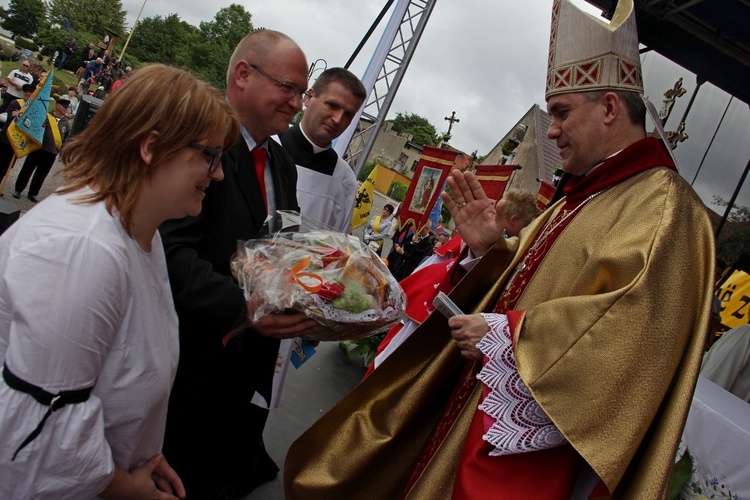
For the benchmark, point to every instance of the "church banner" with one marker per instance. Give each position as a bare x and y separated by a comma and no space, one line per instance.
429,177
543,197
363,200
494,179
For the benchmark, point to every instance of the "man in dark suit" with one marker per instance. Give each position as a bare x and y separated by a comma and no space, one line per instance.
218,406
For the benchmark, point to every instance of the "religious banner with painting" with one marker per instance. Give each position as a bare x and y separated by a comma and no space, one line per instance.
432,170
543,197
494,179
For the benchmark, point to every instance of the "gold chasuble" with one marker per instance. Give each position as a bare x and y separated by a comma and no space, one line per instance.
609,340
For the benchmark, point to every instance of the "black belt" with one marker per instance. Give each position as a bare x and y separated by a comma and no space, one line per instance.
53,401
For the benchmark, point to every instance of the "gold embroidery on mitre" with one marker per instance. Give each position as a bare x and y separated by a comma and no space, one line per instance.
586,53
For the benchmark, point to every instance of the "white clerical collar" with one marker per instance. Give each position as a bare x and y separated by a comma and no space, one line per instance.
601,162
316,149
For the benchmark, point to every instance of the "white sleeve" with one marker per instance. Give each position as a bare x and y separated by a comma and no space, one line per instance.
469,261
68,297
518,424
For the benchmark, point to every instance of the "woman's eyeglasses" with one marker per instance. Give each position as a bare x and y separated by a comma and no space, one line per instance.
214,155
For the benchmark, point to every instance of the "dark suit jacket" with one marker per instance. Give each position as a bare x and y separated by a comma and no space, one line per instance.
214,382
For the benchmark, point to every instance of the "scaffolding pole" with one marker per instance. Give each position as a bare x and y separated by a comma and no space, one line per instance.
383,77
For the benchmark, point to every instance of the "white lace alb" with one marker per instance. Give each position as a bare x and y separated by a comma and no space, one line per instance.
519,423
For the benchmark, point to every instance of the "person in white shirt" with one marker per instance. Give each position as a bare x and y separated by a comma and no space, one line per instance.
88,329
378,228
73,98
326,184
16,80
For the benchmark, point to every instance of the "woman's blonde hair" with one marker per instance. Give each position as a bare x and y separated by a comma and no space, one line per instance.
106,156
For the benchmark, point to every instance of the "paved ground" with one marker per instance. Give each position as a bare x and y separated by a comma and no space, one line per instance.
309,392
24,204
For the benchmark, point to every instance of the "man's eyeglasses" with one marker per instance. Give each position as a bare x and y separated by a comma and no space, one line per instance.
290,89
213,153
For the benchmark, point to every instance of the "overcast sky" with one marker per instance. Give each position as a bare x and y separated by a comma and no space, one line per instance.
485,60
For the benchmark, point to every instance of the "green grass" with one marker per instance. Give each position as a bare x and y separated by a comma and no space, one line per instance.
64,80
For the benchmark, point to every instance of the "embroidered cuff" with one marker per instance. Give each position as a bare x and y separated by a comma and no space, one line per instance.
519,424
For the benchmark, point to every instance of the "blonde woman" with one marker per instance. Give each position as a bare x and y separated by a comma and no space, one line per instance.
88,330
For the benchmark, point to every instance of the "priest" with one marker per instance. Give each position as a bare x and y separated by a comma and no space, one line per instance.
571,372
326,184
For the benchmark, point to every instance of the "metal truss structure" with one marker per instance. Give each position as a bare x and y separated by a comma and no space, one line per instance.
414,15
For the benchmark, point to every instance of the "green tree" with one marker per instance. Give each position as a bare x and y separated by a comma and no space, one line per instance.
161,39
25,17
366,170
423,132
212,45
734,239
91,17
477,157
398,191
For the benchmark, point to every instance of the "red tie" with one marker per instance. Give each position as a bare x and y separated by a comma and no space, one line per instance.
259,155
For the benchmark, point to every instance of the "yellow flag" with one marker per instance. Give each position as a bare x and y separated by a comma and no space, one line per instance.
363,201
21,143
734,295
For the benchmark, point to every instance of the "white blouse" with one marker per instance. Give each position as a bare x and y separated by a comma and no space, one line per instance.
82,304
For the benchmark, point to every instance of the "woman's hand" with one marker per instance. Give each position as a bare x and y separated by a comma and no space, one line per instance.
166,479
153,480
467,331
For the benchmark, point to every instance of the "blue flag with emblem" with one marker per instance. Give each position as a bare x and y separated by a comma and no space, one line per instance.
26,132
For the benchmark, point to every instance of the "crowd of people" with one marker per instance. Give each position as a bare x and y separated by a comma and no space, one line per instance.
569,371
57,128
95,68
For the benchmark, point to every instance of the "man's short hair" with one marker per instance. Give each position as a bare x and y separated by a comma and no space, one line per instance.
389,207
522,204
342,76
257,47
633,103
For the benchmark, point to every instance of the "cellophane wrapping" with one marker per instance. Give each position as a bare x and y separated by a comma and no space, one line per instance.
331,277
